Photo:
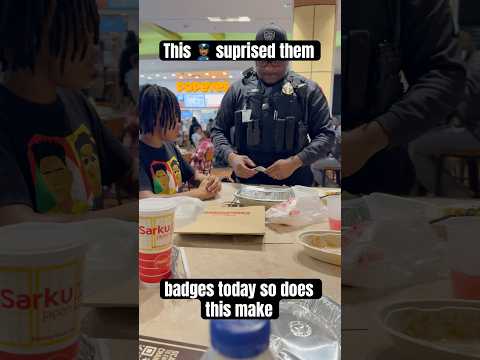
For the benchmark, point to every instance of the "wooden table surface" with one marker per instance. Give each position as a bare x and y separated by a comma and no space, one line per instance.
276,255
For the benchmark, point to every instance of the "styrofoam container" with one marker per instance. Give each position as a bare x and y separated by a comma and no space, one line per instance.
430,329
324,245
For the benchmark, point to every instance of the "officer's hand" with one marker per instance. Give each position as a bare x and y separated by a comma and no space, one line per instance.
359,145
242,166
284,168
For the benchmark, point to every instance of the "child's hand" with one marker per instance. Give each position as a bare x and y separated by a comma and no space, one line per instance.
214,185
202,193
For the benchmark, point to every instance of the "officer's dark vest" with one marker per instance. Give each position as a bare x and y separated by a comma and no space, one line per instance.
371,56
278,126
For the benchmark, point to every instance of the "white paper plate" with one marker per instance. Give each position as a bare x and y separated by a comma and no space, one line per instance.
327,249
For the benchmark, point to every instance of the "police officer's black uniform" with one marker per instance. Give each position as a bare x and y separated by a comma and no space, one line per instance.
381,38
272,122
281,118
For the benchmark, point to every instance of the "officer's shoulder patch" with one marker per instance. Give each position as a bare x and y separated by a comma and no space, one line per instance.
297,81
248,73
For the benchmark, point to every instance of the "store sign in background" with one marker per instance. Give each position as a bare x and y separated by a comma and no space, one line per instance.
194,100
199,100
202,86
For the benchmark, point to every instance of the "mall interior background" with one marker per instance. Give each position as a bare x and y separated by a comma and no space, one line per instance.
232,20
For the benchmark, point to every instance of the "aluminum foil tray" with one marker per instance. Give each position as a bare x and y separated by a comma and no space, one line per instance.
179,267
88,350
263,195
307,330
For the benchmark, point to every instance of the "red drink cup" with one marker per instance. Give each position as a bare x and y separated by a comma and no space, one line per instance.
465,286
463,251
155,267
334,211
155,233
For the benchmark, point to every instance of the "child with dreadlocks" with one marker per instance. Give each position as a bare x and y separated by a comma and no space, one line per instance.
162,168
47,54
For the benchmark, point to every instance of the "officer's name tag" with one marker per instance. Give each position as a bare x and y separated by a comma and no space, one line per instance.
246,115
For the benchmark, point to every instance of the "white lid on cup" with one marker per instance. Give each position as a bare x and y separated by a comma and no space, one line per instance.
155,206
39,238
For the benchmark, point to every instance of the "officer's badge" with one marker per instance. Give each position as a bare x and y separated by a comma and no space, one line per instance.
287,88
269,35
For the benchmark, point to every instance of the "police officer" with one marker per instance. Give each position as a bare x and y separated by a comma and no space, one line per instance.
381,114
280,122
203,51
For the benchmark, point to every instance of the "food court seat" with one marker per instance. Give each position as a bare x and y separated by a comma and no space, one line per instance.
471,158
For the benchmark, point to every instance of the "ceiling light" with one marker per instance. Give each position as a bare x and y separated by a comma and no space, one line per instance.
197,77
206,74
181,77
214,77
149,78
157,75
142,76
224,73
229,19
164,78
189,74
230,76
174,75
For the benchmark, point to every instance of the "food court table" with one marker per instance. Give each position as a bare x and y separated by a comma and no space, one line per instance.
275,255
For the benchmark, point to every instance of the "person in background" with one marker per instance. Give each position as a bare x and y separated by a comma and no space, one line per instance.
209,126
197,136
401,77
191,130
202,159
163,171
281,119
55,153
131,79
332,161
128,61
425,151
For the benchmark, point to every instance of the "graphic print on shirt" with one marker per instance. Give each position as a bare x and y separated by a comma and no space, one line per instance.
65,172
86,150
166,176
